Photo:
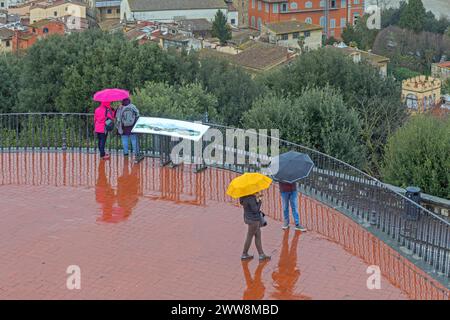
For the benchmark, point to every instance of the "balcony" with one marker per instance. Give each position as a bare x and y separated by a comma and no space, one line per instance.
158,232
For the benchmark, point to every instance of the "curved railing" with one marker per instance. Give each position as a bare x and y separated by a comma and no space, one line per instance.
418,234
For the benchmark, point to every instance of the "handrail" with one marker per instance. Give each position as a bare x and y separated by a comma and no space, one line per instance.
419,234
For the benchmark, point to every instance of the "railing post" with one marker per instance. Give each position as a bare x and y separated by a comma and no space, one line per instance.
64,139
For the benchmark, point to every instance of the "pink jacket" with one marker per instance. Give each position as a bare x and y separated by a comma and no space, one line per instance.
100,118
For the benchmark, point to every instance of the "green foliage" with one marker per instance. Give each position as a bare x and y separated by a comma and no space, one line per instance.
9,82
233,87
419,154
317,118
360,34
401,73
391,16
220,28
446,86
187,102
375,99
413,16
62,73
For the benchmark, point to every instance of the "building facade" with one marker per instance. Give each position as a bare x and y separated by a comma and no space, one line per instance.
41,29
175,10
441,70
57,9
294,34
332,15
6,37
420,94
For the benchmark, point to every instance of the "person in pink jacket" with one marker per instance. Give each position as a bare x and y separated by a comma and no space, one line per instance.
102,113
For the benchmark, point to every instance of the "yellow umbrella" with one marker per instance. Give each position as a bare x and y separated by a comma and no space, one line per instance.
247,184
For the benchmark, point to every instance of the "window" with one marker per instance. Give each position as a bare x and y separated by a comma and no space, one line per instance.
343,22
7,43
332,33
322,21
275,8
233,21
267,7
55,13
343,3
296,35
356,2
66,8
45,30
253,22
109,11
259,5
284,36
259,23
333,4
253,4
308,5
284,7
322,3
333,23
118,11
307,34
2,4
411,101
294,5
308,20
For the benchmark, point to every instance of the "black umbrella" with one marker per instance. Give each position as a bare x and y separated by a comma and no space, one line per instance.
292,166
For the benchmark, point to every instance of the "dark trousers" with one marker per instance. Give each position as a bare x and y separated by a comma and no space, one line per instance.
254,231
101,143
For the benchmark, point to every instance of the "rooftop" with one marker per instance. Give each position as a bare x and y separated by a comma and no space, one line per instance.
195,25
445,64
162,5
6,34
369,56
283,27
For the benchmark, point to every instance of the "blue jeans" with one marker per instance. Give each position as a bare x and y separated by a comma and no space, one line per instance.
292,199
134,142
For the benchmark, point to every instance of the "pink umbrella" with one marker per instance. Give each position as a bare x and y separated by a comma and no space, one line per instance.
110,95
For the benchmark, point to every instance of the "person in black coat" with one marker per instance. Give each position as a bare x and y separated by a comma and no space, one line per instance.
252,217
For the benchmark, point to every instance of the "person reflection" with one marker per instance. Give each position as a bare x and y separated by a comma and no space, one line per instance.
286,275
255,288
104,193
118,206
128,189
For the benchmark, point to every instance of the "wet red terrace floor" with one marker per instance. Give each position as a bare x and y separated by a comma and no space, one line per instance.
146,232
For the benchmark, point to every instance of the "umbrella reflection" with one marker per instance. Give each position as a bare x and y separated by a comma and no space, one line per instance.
287,274
255,288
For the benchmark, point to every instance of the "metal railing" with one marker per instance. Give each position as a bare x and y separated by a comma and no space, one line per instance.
416,233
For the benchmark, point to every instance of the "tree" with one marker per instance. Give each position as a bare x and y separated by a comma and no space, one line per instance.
233,87
360,34
9,82
401,73
186,102
220,28
317,118
446,86
413,16
418,154
375,99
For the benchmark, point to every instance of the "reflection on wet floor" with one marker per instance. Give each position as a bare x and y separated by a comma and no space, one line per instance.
287,274
119,191
117,204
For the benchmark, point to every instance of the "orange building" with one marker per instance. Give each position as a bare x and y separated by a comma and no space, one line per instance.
332,15
38,30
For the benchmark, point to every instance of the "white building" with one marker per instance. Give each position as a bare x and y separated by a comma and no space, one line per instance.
5,4
172,10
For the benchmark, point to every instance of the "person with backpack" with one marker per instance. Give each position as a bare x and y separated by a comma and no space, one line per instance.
103,123
126,117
